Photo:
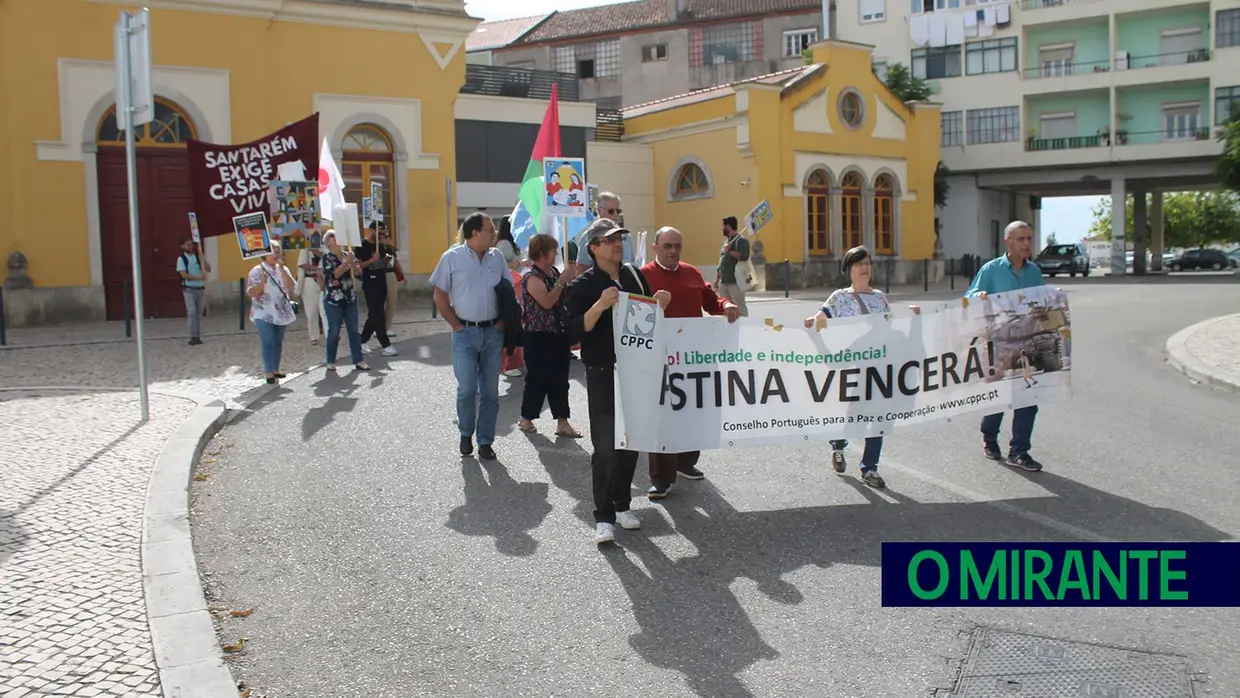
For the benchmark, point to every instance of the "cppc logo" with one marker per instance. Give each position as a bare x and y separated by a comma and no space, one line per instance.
639,325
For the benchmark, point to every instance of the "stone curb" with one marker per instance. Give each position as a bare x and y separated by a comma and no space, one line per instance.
1182,360
187,652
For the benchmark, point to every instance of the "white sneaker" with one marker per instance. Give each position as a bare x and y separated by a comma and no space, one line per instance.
389,351
628,520
604,533
366,349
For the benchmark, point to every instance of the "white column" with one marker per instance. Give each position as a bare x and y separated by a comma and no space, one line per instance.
1119,226
869,234
1156,231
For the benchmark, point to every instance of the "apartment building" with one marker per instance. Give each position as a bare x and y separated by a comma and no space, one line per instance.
1047,98
634,52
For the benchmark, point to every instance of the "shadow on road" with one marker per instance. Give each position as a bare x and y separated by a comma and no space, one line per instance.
500,508
693,623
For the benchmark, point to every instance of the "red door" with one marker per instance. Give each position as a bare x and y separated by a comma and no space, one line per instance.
164,204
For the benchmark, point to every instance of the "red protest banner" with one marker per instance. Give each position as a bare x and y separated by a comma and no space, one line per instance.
231,180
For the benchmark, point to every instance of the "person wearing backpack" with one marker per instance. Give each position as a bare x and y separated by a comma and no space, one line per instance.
591,298
193,271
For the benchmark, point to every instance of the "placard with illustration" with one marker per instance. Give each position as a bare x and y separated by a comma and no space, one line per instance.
565,182
253,235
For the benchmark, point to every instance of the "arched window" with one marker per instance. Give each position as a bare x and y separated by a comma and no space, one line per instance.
851,202
818,213
884,215
691,181
368,157
170,128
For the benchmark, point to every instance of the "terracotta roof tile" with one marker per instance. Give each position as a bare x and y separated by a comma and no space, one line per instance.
648,14
493,35
783,78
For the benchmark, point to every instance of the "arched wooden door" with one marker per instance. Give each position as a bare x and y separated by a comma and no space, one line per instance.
164,202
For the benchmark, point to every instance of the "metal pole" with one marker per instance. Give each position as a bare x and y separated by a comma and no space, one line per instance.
925,274
135,242
3,337
128,311
787,278
951,272
887,276
241,305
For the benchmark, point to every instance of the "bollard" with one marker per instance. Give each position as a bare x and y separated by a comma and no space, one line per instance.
3,337
241,305
128,313
787,278
925,274
951,272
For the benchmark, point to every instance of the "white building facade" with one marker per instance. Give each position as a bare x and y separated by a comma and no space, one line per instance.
1047,98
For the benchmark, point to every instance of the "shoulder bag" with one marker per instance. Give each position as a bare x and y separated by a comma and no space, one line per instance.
296,306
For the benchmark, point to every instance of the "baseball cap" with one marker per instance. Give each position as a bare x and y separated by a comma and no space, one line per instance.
601,229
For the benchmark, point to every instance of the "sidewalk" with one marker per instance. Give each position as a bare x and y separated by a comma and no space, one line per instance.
100,592
73,486
1209,352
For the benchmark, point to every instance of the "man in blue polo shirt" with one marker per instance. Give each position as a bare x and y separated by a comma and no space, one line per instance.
193,272
1011,272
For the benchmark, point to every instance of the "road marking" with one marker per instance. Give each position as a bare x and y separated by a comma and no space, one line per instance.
1003,505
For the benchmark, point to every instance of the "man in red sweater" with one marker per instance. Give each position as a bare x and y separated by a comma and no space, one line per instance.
691,296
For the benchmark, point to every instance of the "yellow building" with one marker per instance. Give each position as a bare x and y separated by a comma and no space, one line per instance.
383,77
842,161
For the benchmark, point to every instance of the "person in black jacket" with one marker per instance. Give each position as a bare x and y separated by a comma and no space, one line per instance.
509,314
591,297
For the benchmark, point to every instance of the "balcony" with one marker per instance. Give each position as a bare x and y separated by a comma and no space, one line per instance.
500,81
1064,57
1071,143
609,126
1175,43
1044,4
1058,11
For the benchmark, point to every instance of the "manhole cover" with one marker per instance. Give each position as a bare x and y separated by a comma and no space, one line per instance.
1002,664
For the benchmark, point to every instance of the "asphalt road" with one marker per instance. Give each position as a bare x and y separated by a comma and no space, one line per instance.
381,563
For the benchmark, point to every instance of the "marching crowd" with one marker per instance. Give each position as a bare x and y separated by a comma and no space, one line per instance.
495,299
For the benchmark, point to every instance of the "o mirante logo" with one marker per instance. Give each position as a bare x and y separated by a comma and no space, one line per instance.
1061,574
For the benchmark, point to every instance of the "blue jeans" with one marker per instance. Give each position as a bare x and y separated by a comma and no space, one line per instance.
1022,429
346,315
271,337
477,356
869,457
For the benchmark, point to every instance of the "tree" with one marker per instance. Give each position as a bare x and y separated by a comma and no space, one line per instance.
941,187
1052,240
1190,219
1228,169
906,86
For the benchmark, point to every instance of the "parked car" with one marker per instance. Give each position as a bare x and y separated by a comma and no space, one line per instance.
1216,260
1063,259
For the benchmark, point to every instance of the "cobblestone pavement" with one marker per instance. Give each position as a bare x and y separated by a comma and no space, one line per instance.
1217,344
225,366
72,492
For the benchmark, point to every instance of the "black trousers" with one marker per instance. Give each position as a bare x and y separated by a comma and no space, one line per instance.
375,291
547,360
612,470
665,466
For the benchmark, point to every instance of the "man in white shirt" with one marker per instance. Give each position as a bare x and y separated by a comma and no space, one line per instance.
465,294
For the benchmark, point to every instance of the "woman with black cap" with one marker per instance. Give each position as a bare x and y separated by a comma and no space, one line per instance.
858,299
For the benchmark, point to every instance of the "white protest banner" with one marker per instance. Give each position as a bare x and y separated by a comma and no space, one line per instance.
751,382
637,322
